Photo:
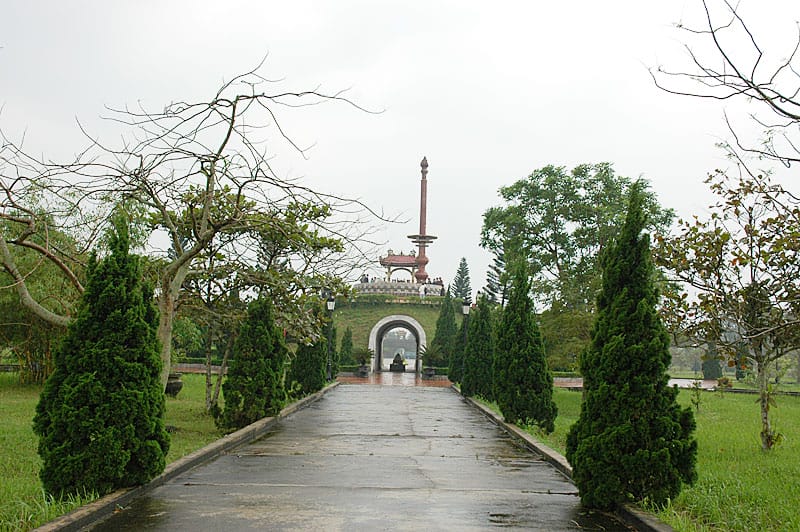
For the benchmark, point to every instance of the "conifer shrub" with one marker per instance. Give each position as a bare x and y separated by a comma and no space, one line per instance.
335,354
632,441
455,370
346,348
254,387
100,417
310,365
478,378
523,383
444,342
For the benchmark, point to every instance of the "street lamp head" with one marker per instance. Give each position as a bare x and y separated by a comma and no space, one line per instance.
330,303
465,307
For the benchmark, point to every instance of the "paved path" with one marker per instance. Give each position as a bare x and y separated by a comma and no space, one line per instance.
370,458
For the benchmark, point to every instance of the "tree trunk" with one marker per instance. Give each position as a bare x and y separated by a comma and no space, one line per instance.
171,281
209,344
166,308
767,435
223,365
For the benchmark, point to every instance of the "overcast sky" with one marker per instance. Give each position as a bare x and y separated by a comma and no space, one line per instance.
488,91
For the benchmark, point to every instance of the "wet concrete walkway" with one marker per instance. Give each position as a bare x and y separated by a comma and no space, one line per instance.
370,458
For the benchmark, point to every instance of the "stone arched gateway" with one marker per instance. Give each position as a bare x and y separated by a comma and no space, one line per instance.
388,323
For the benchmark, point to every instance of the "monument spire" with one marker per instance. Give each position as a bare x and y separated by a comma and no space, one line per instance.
422,240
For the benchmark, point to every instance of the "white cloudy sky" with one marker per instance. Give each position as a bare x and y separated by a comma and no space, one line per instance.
488,91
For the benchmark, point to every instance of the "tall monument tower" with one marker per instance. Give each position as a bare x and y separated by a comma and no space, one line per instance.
422,240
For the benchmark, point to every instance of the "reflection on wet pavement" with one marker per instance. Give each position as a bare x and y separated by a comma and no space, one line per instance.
388,378
371,458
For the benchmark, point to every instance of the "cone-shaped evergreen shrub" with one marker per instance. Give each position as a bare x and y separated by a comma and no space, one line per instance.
455,371
523,383
444,342
310,365
335,355
254,386
100,417
479,353
632,441
346,349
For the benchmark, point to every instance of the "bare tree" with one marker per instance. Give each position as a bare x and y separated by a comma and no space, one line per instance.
729,62
188,174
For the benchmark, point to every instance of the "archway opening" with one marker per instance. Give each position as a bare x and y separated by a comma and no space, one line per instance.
399,344
397,333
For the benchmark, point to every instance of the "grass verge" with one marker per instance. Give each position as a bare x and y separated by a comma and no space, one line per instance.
739,487
23,504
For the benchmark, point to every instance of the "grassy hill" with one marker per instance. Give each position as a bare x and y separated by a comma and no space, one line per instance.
363,313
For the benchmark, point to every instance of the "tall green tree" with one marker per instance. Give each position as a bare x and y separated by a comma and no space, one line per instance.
632,441
455,370
560,220
523,383
496,289
254,387
479,354
444,342
100,417
461,286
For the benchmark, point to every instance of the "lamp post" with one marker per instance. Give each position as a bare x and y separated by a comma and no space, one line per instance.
330,304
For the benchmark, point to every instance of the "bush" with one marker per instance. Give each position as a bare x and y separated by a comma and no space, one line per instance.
523,384
478,378
309,366
254,386
440,350
632,442
100,417
346,349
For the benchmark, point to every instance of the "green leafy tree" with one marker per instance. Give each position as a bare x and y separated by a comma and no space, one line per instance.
742,264
100,417
523,383
560,221
187,339
461,288
566,334
444,343
632,442
346,348
479,354
254,387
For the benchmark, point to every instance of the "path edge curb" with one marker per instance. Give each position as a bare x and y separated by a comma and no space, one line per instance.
96,511
641,520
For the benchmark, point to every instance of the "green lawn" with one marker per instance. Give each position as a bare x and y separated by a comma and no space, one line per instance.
739,487
22,503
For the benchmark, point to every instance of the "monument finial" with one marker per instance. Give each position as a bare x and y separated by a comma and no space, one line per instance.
422,239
